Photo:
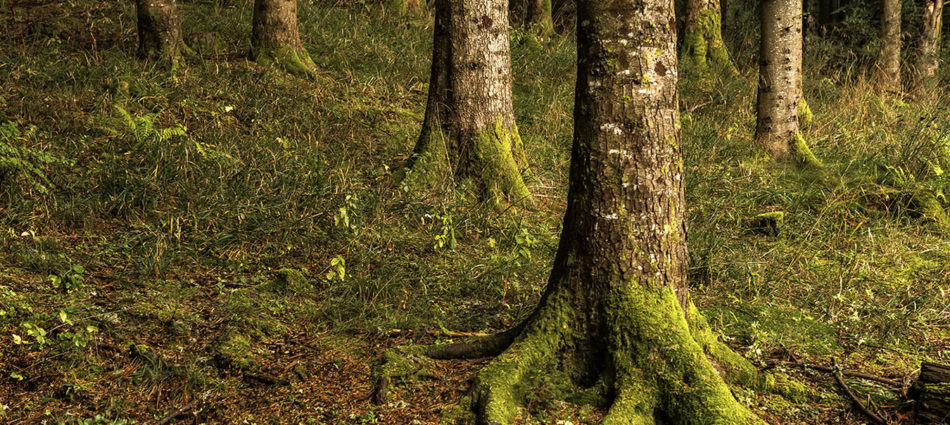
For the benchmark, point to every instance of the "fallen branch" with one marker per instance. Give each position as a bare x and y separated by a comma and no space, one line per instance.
177,412
849,373
873,416
394,332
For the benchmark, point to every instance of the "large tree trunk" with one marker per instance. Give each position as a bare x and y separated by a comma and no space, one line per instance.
615,320
159,28
702,46
275,39
891,35
779,99
929,57
469,130
534,14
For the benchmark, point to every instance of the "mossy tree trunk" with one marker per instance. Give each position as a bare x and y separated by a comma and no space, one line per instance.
406,7
779,98
615,321
928,60
159,29
469,130
275,39
891,36
534,14
703,47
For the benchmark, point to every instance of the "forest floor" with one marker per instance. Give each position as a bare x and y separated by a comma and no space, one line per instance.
223,243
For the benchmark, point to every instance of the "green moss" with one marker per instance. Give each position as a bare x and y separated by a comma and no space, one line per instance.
295,61
234,350
495,166
288,281
769,223
804,155
804,112
703,48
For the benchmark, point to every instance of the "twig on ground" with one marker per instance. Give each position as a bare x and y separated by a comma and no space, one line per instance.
873,416
394,332
179,411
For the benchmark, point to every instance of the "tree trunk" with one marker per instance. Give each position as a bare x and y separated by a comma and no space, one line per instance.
891,35
159,28
932,394
534,14
275,39
615,320
406,7
703,46
469,129
929,57
779,99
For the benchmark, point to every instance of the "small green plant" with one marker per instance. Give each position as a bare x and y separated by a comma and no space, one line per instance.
446,237
337,269
18,161
524,244
69,281
342,219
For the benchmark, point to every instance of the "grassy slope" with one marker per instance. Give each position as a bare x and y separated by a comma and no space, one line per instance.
178,239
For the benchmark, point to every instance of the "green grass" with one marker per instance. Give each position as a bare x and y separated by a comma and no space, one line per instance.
180,195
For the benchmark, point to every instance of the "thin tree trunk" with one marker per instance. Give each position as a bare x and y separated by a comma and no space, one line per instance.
275,39
780,82
929,58
539,16
703,45
159,29
406,7
891,34
469,129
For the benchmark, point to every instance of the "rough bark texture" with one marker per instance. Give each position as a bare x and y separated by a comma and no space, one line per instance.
159,28
780,82
891,35
703,47
469,129
929,58
275,39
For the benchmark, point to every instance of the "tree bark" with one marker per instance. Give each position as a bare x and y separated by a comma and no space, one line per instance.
469,130
275,39
159,29
928,60
703,46
779,98
891,35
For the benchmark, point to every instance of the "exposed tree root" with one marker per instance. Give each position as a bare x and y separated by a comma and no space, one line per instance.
661,367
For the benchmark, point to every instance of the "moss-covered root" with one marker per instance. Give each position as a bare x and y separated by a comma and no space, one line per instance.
295,61
703,48
414,360
737,370
634,403
499,386
803,154
494,165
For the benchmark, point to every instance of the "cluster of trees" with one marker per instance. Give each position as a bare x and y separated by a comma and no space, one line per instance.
616,316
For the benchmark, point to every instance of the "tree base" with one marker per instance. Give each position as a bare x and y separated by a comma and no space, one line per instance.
295,61
661,367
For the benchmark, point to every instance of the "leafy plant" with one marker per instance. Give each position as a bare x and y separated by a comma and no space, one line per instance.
17,160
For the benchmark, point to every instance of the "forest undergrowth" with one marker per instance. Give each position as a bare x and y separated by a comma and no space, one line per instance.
225,243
